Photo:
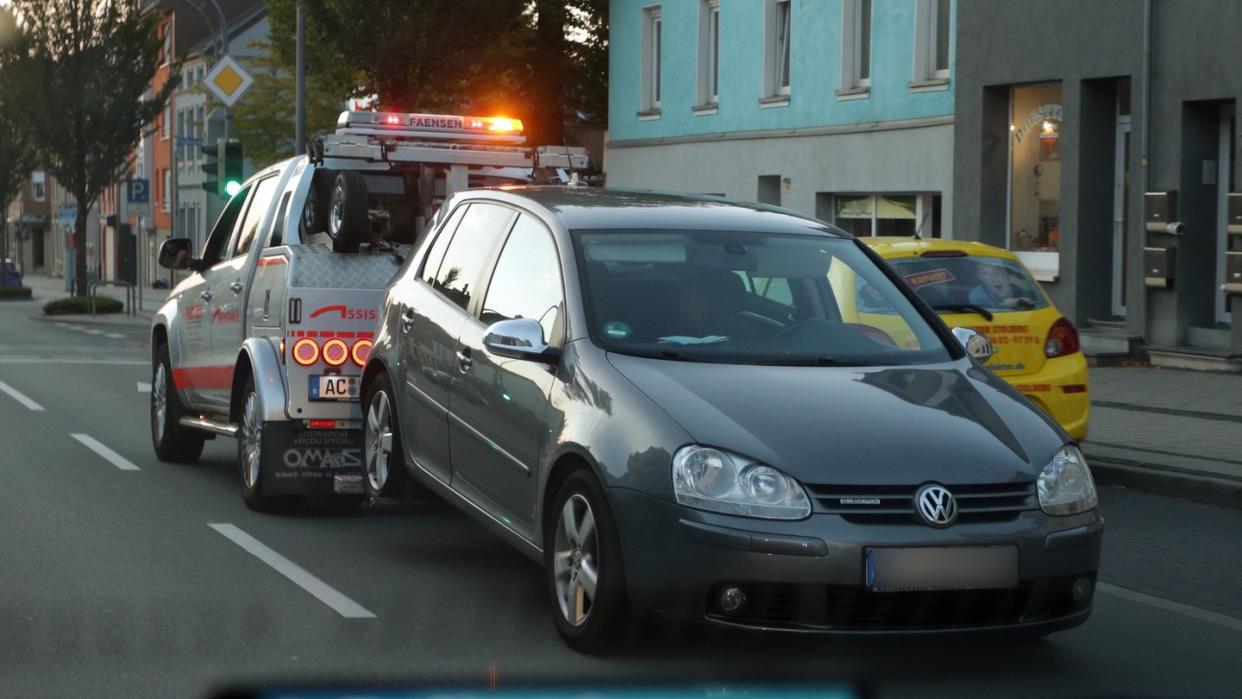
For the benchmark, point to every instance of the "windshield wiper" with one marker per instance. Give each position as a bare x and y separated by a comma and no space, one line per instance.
822,360
968,307
660,354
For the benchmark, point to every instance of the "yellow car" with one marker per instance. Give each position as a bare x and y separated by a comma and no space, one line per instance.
988,289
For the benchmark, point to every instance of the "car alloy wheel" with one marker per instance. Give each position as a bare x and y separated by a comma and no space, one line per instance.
378,444
575,560
252,441
159,402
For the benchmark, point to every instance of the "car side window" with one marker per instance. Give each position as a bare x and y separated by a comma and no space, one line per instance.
255,211
278,229
431,266
468,252
222,232
527,280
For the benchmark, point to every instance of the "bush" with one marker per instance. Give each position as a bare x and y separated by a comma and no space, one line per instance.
14,293
80,305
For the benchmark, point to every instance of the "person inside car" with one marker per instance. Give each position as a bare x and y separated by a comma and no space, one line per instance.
995,290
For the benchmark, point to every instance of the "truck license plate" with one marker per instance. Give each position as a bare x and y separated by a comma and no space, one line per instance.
334,387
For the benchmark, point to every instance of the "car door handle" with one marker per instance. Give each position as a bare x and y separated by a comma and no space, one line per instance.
463,359
407,320
236,287
206,295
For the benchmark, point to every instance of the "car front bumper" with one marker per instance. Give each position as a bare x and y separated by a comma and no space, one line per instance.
809,575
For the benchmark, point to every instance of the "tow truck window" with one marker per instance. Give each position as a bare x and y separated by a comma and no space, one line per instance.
476,237
278,229
223,230
436,255
257,209
527,280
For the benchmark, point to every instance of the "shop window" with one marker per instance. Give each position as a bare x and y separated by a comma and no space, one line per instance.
876,214
1035,167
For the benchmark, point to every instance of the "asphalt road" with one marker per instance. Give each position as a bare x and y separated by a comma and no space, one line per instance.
124,576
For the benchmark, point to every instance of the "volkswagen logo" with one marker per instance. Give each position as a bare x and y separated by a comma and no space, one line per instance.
936,505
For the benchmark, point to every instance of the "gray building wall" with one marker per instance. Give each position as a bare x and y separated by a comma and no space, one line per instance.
1087,46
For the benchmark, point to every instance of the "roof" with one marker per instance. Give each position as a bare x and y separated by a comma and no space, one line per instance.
891,247
587,208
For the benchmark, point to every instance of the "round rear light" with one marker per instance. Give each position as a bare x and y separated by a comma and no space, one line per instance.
361,351
305,352
335,352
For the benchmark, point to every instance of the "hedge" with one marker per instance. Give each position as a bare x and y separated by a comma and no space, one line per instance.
14,293
80,305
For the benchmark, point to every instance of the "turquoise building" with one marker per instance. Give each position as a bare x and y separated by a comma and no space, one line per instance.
842,109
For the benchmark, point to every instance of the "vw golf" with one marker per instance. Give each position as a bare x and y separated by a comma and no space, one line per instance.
662,399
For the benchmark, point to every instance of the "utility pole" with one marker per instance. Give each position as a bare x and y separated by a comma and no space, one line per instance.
299,130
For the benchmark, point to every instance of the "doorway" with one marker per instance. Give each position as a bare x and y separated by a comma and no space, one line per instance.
1121,207
1224,185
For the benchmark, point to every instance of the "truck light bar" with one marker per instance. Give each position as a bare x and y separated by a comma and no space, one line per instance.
432,126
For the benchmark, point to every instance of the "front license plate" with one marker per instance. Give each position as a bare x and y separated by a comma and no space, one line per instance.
334,387
946,568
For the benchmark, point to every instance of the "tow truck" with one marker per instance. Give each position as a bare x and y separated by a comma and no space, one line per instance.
265,339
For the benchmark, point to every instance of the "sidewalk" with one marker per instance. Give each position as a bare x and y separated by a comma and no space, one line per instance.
1168,431
46,289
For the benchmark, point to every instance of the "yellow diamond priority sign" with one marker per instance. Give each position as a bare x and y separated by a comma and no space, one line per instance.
228,81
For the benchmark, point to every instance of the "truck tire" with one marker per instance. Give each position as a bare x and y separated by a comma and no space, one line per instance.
384,473
172,442
315,212
349,221
250,457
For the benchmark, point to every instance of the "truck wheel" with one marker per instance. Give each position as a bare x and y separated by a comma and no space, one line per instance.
585,573
349,221
250,457
315,212
172,442
383,468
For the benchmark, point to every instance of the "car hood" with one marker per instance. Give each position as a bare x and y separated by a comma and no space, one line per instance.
953,423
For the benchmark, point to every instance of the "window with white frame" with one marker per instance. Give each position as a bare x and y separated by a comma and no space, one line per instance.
932,25
709,54
776,50
166,122
181,135
651,53
167,188
855,48
38,185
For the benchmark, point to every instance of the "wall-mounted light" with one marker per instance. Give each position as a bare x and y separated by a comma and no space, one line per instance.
788,183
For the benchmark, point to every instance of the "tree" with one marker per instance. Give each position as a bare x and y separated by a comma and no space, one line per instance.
81,86
263,117
16,154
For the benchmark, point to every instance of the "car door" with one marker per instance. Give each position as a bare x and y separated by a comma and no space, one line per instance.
498,405
194,375
432,314
228,289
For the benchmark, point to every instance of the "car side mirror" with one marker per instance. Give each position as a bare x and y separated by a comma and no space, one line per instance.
519,338
175,254
977,345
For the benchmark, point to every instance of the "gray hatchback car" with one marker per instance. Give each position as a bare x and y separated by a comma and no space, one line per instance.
676,405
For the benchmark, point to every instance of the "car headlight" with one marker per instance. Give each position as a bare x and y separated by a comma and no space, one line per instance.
712,479
1065,484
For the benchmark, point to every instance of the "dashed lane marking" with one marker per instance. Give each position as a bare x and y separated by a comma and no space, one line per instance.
115,336
1186,610
20,397
321,590
110,456
144,387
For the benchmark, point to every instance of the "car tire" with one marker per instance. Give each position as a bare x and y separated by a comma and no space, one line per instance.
588,622
348,214
171,441
315,212
384,473
250,457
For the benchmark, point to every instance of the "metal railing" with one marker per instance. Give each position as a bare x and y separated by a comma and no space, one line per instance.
131,294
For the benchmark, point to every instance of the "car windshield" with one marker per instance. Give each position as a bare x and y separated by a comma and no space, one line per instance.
745,298
947,283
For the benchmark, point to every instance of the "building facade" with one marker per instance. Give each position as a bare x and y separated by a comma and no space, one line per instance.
841,109
1083,131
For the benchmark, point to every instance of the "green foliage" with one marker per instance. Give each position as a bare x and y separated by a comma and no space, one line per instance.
80,305
81,87
14,293
16,152
533,59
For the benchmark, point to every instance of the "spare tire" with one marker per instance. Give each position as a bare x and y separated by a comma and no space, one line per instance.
348,219
315,213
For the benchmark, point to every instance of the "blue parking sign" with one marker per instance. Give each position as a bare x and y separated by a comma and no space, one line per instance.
138,197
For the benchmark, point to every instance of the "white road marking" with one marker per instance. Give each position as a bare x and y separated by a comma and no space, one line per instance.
1170,606
144,387
20,397
92,331
115,336
112,457
67,360
319,589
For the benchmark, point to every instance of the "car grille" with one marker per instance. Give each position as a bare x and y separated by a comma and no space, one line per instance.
879,504
855,608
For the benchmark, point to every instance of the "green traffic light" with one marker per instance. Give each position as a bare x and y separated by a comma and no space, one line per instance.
232,187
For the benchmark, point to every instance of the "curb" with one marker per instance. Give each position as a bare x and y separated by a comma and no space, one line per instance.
1165,480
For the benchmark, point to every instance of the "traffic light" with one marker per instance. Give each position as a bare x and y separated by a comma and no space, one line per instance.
231,167
211,168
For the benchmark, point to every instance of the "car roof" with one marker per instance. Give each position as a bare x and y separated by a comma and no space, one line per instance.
590,208
894,247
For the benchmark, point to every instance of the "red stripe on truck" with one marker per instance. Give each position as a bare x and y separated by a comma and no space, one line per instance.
268,261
